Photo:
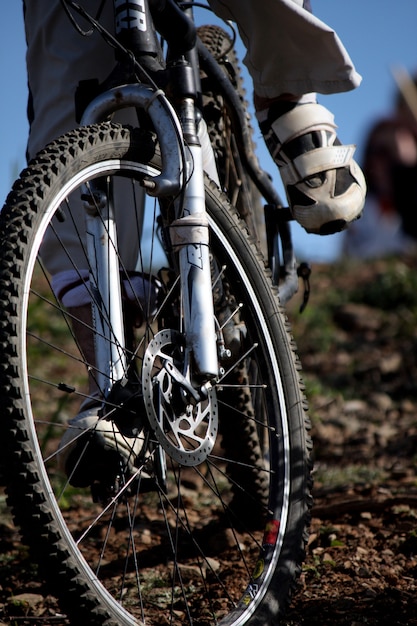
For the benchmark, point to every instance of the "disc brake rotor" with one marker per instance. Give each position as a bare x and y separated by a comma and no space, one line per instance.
185,424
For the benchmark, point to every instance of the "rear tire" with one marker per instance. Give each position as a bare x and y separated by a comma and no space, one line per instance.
235,181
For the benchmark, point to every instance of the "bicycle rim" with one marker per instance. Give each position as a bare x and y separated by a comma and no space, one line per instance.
217,540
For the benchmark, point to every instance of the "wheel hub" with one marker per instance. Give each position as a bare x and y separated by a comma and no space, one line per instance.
185,421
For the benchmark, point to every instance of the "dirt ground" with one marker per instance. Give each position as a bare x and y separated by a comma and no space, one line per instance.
358,345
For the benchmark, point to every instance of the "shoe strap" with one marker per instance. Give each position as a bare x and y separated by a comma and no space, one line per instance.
303,119
316,161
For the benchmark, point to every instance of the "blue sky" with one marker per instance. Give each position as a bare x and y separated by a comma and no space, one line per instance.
379,35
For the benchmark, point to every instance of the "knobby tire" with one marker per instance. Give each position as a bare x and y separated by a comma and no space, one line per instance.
220,542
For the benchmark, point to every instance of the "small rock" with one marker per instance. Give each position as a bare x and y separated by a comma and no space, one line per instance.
213,564
391,363
358,317
354,406
363,572
327,558
26,600
381,401
222,540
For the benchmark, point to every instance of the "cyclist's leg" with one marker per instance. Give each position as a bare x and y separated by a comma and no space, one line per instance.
289,50
290,56
58,58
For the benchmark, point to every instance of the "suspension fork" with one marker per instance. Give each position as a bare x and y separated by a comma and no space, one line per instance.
190,237
105,287
100,211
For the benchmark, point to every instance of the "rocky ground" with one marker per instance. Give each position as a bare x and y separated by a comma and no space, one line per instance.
358,344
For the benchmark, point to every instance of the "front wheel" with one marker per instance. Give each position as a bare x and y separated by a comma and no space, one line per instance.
205,522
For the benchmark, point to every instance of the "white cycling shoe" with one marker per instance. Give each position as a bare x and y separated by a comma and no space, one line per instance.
93,450
325,187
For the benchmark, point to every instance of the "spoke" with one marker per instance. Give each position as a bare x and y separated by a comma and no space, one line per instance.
253,419
112,502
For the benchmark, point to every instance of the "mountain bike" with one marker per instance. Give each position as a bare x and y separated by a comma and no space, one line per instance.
193,370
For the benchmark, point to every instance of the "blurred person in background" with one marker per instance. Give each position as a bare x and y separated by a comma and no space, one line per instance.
389,222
